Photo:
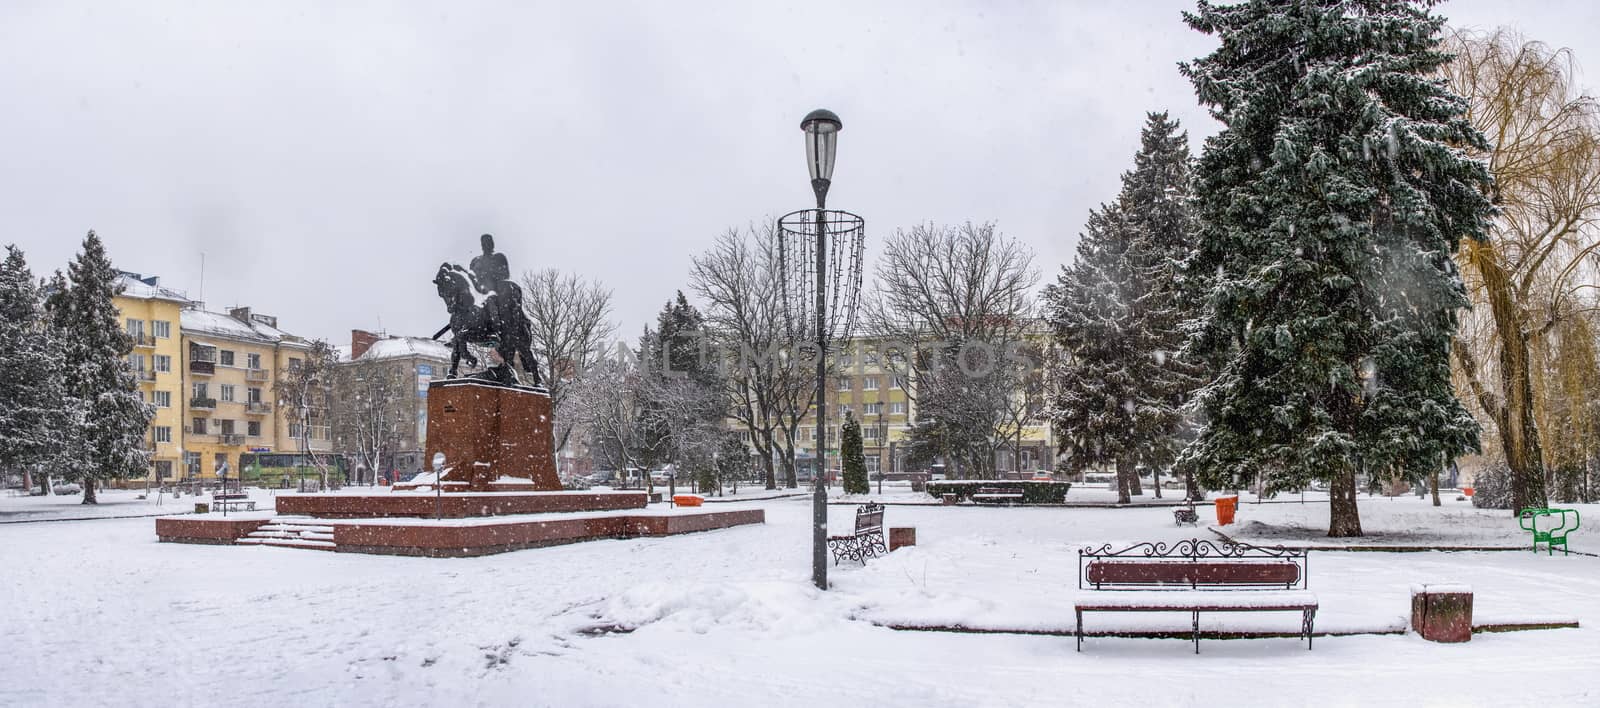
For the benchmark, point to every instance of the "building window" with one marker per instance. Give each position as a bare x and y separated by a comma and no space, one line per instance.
872,464
227,391
221,463
870,383
225,357
253,428
163,363
200,390
199,426
161,328
191,463
136,328
872,409
294,430
162,399
163,469
227,427
294,364
869,432
162,433
253,394
252,360
897,408
136,361
844,411
844,383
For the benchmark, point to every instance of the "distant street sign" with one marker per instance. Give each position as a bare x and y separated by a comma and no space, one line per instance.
261,449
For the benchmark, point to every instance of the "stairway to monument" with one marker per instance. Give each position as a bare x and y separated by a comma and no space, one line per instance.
292,532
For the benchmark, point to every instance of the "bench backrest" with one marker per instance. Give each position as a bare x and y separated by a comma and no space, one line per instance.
1192,564
869,517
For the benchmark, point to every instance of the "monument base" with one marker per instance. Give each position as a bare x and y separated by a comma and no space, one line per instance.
491,436
453,505
443,538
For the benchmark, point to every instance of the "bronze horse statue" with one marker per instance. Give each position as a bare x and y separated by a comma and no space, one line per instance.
482,316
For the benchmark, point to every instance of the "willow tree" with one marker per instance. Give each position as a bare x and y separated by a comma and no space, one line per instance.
1525,280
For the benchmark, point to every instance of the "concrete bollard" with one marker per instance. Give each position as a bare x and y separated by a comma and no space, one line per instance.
1442,612
902,536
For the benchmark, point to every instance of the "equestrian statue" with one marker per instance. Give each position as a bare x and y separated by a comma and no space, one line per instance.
485,308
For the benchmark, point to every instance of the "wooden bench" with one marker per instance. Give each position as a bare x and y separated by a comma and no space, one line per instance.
996,495
1195,576
866,542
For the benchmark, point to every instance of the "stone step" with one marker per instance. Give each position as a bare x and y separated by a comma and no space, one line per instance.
289,543
280,526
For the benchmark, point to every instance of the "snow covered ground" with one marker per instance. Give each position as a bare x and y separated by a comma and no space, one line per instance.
99,613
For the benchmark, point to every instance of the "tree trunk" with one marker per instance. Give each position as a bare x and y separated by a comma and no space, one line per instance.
766,462
1190,489
1134,486
1519,432
88,491
1155,480
790,477
1433,482
1344,520
1123,487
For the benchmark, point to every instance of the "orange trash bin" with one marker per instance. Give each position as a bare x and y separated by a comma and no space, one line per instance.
687,500
1225,508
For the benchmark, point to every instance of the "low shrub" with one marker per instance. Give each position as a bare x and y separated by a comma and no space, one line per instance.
1032,492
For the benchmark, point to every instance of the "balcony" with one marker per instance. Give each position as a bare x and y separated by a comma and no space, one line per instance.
258,408
205,404
255,374
146,374
142,340
232,439
205,368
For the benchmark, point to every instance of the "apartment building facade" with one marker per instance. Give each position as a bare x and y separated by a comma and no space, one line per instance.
231,415
151,315
880,394
405,366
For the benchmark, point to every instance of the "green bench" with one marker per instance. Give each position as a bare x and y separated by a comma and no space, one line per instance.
1558,523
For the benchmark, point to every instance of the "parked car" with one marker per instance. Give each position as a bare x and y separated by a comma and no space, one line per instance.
67,488
606,477
1043,476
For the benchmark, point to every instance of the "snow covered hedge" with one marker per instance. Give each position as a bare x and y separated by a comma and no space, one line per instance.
1491,487
1032,492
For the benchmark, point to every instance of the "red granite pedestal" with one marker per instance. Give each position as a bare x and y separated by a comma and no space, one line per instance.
493,438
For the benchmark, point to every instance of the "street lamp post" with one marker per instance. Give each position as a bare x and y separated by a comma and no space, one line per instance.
822,133
819,302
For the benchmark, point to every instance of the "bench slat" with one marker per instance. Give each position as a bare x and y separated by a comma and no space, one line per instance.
1187,573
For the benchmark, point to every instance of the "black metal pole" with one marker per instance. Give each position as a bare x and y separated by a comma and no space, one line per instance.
819,495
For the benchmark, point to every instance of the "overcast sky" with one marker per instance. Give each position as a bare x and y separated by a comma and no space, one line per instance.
325,157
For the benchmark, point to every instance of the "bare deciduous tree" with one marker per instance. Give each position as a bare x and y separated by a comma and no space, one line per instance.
956,302
372,406
739,280
1545,159
569,319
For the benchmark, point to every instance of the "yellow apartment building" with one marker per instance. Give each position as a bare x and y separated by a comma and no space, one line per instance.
879,396
151,315
230,412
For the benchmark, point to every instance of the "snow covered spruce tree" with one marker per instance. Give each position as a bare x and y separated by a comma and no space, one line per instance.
114,417
1330,206
854,460
1116,314
34,412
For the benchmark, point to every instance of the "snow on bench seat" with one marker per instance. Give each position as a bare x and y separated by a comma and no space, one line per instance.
1191,600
